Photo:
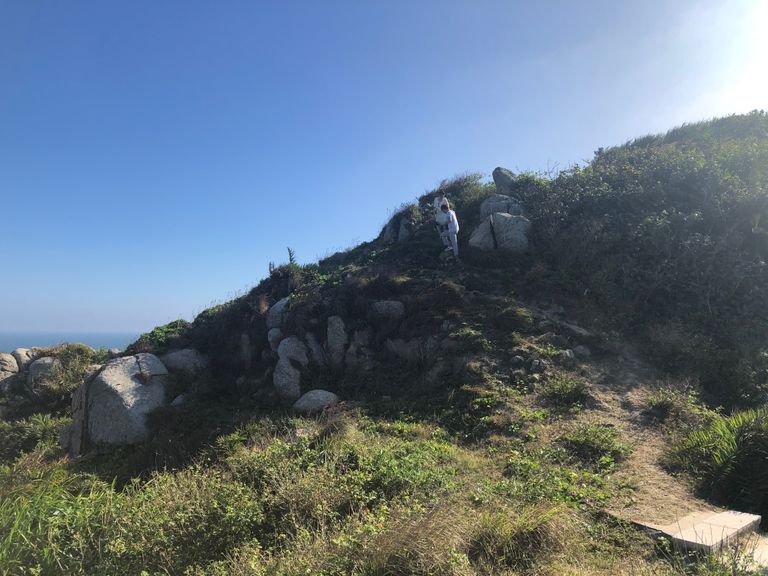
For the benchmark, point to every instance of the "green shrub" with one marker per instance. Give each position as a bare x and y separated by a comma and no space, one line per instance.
677,407
728,458
160,338
39,430
596,445
515,318
176,520
565,392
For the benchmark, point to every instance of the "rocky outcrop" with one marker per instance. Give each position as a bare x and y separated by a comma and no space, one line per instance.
287,376
188,361
25,356
337,340
294,350
273,337
112,407
41,368
287,380
9,369
501,231
511,232
315,401
277,312
504,180
500,203
406,230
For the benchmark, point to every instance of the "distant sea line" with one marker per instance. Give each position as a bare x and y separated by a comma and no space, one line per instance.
11,340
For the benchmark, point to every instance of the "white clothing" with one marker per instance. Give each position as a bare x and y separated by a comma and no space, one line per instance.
451,241
453,222
438,203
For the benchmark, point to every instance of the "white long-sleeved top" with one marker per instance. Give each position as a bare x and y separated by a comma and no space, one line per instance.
453,222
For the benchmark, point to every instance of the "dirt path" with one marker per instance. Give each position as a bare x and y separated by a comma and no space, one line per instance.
658,497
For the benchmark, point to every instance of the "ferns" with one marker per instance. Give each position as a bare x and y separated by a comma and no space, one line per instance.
729,458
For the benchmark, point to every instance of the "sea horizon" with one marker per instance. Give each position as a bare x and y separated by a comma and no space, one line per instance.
9,341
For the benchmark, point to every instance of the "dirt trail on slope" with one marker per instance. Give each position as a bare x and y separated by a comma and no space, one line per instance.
619,388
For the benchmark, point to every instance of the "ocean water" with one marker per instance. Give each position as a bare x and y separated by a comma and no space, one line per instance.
12,340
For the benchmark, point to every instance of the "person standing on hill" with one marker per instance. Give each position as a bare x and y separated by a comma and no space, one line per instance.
451,229
440,201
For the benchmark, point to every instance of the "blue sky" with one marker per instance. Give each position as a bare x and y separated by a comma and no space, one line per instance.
155,156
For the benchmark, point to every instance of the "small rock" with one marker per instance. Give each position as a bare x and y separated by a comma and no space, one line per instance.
500,203
582,351
517,361
359,356
537,366
179,400
567,357
25,356
406,230
315,401
246,350
113,353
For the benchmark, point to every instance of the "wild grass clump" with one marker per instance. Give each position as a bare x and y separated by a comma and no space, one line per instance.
595,445
565,392
38,431
728,458
514,318
677,407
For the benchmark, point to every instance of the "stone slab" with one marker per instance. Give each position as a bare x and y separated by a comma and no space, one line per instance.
709,531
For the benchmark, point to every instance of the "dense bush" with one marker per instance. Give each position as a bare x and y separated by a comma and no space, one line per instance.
670,233
729,459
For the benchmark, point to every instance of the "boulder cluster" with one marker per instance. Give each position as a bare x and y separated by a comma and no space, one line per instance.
112,405
503,226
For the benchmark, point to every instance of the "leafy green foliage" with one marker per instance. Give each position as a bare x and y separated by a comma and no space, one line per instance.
670,233
728,457
159,340
596,445
565,391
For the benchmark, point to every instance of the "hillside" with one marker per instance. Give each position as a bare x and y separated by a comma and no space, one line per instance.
508,413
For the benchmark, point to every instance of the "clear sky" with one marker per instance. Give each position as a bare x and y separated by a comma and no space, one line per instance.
155,156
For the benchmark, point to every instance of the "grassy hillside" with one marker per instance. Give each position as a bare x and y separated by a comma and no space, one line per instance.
507,464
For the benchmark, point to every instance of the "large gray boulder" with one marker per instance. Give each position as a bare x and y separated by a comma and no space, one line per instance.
504,180
315,401
502,231
25,356
511,232
8,371
287,380
41,368
293,349
337,340
112,407
8,363
187,361
500,203
482,236
276,314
